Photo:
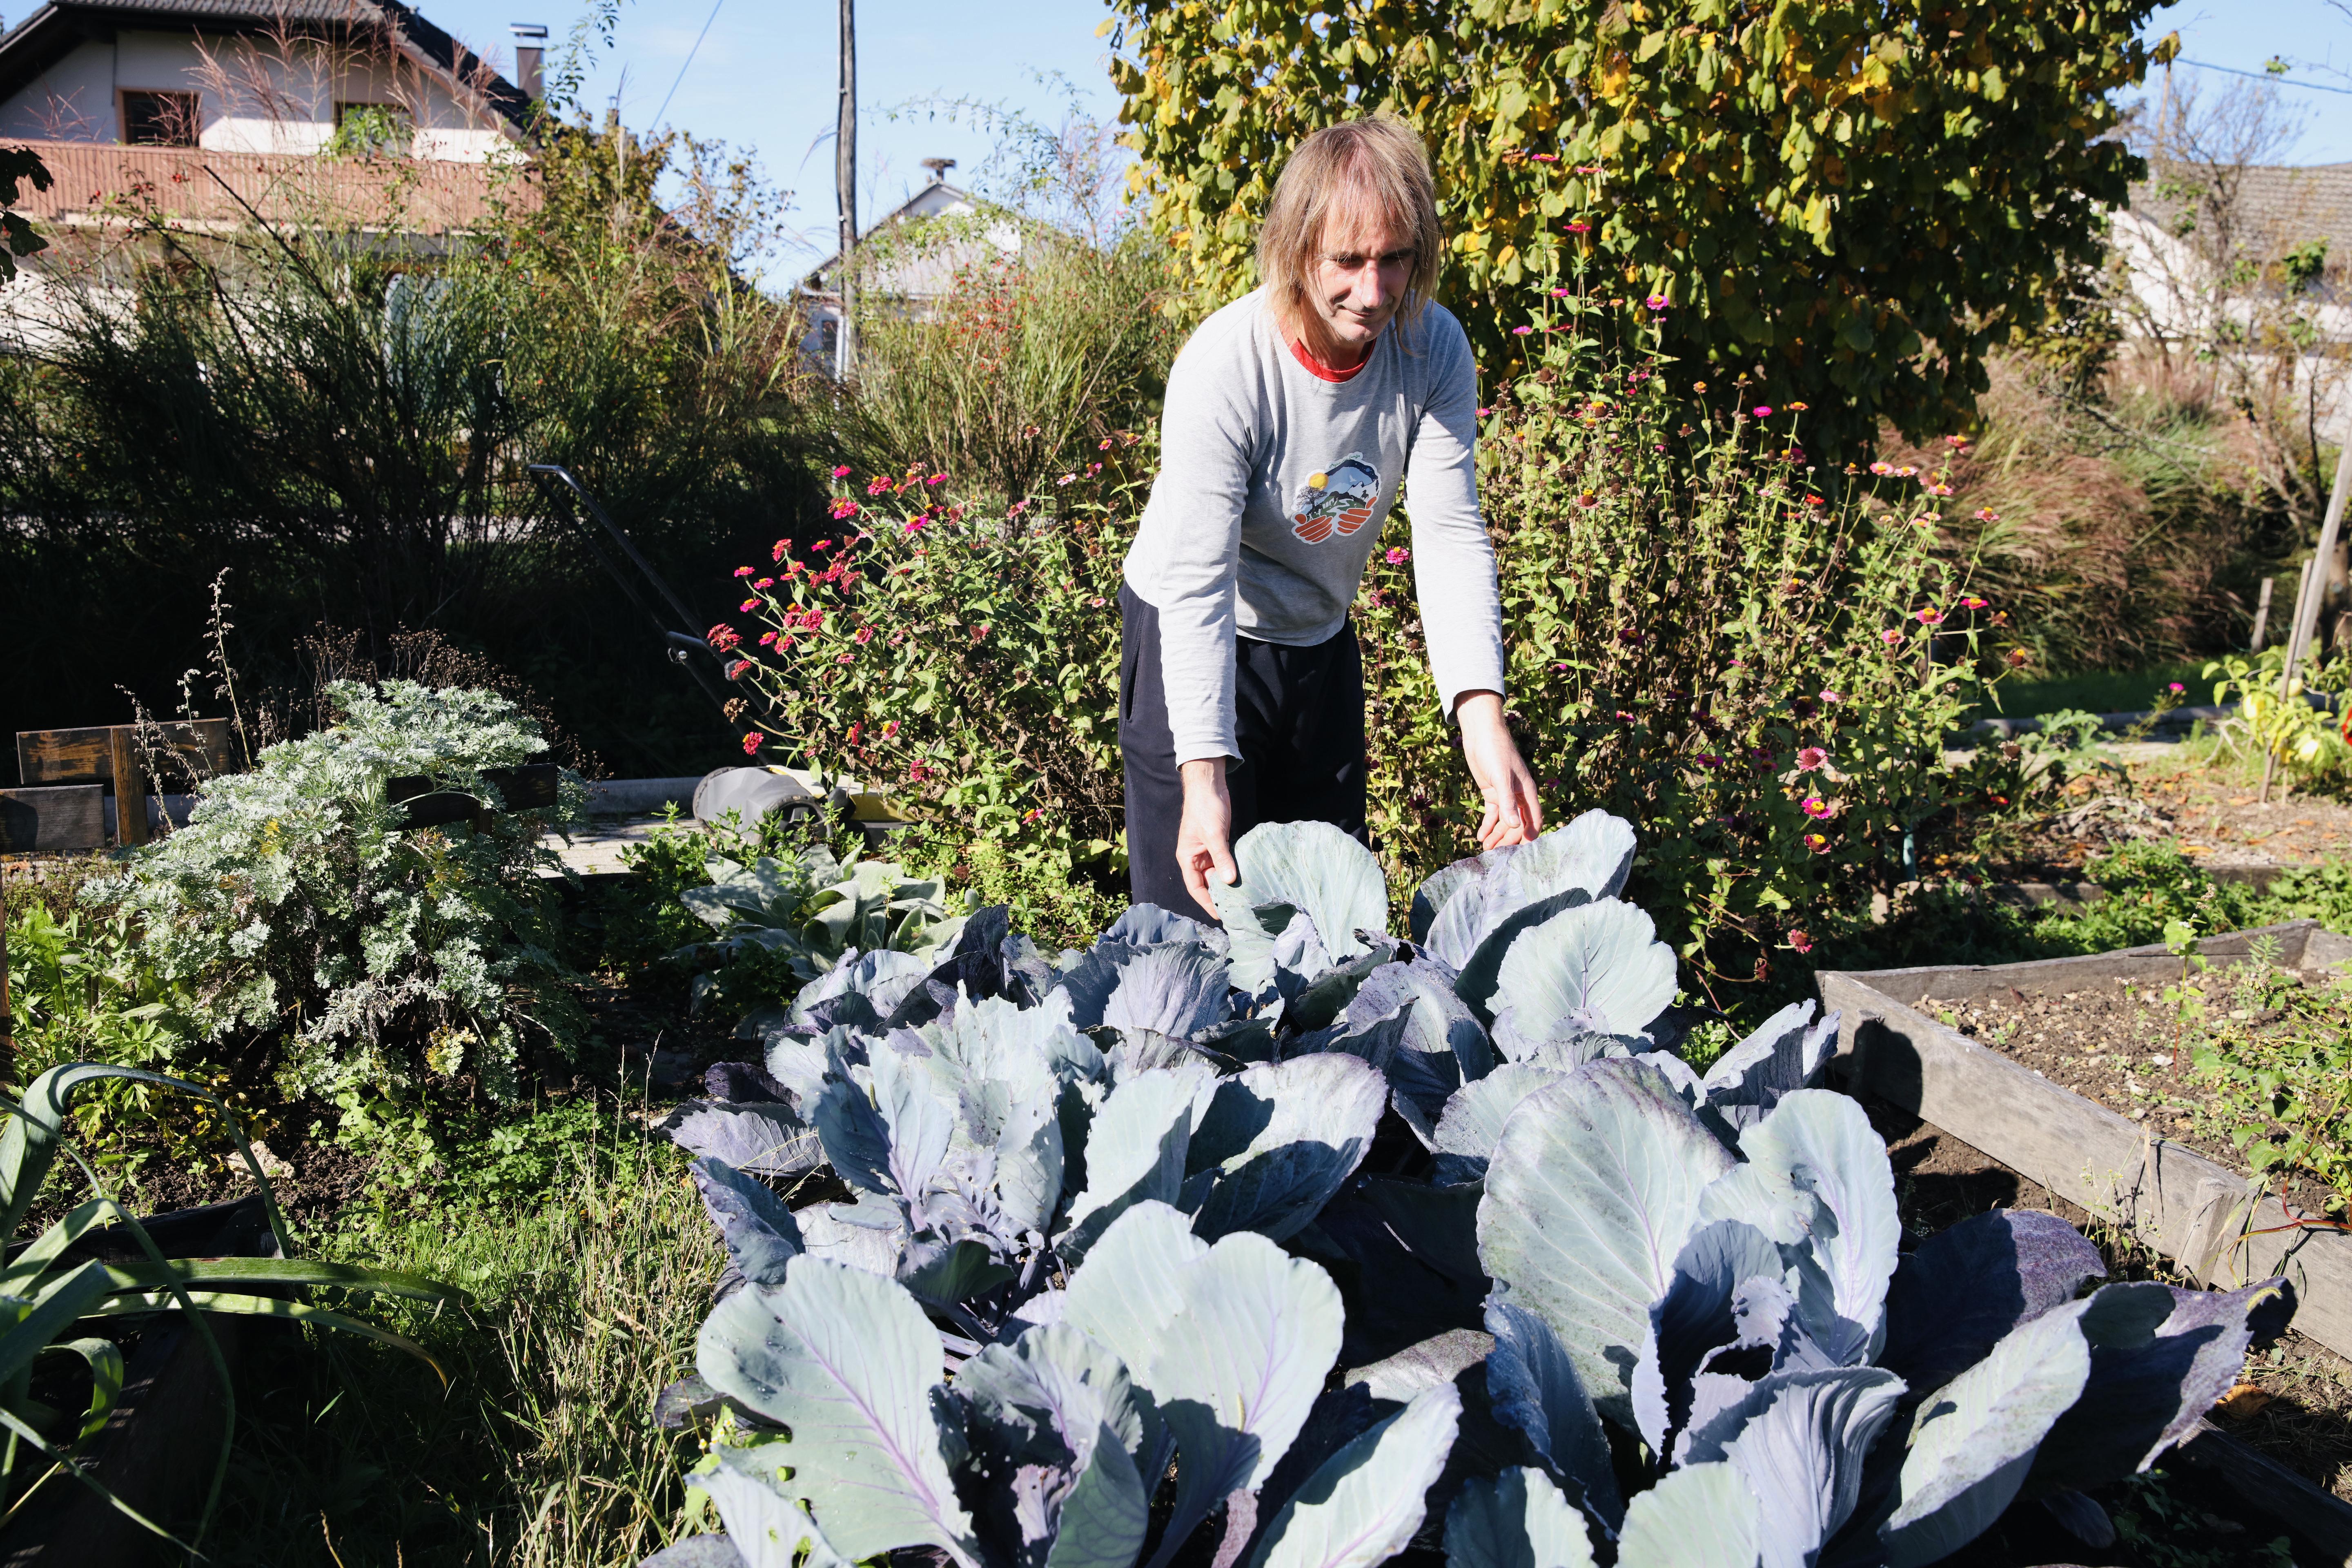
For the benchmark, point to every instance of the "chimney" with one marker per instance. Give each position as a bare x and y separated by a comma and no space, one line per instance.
530,58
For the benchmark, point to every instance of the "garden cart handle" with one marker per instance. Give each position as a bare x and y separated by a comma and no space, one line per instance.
682,645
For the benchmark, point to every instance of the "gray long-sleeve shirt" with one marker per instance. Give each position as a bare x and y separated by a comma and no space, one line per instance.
1274,486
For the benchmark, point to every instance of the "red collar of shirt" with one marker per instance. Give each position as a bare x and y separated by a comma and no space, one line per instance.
1321,372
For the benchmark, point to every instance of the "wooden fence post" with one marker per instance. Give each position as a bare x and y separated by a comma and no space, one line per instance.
130,786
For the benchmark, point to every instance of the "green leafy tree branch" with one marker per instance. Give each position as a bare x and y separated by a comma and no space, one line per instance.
1845,204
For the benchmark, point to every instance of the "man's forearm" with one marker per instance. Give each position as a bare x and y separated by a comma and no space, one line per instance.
1202,773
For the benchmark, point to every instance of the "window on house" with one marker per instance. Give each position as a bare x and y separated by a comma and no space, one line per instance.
159,119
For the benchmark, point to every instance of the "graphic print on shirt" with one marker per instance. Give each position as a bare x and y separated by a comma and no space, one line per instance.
1339,501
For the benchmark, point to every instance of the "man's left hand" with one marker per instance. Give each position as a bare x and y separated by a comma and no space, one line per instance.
1513,814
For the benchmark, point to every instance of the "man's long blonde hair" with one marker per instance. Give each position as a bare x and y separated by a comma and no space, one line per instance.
1371,169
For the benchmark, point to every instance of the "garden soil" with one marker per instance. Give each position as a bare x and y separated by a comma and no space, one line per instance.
2213,811
2119,1045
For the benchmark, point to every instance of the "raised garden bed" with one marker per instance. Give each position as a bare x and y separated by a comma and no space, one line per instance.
2216,1223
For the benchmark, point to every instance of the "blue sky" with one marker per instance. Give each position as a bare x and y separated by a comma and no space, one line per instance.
763,77
2316,38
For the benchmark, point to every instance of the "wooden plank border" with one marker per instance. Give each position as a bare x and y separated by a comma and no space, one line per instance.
2186,1206
52,821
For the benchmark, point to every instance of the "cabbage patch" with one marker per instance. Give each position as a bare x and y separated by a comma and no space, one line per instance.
1333,1243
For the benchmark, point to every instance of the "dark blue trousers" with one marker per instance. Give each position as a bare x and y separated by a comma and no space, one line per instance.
1298,718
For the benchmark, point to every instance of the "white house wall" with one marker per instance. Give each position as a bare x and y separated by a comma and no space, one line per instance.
73,101
274,105
2165,276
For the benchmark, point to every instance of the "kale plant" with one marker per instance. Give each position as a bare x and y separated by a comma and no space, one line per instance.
294,900
1133,1207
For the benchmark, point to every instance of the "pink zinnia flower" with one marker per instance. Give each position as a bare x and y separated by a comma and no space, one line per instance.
735,670
1763,411
1930,616
1521,332
1819,843
822,544
1398,555
1828,696
1655,301
1811,757
1801,942
1580,227
749,605
1986,514
1815,807
1972,603
752,742
2176,689
942,479
743,571
1890,638
843,657
842,472
842,510
889,728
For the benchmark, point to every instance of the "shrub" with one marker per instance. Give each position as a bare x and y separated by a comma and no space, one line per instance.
1706,635
2113,520
1755,660
1030,358
1112,1216
1854,202
390,958
345,423
966,663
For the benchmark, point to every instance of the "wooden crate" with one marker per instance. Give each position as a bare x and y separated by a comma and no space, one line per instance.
87,756
111,756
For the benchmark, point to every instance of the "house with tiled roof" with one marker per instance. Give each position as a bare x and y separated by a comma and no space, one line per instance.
201,109
2249,258
913,257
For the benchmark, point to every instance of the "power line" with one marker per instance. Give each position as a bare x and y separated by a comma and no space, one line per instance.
689,60
2265,76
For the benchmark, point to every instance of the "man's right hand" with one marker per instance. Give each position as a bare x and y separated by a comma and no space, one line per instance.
1205,838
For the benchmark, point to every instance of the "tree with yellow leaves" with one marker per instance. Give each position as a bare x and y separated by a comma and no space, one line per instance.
1842,203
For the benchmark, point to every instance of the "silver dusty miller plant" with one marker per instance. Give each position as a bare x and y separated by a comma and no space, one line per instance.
295,897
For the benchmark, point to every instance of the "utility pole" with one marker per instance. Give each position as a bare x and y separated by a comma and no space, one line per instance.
845,179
